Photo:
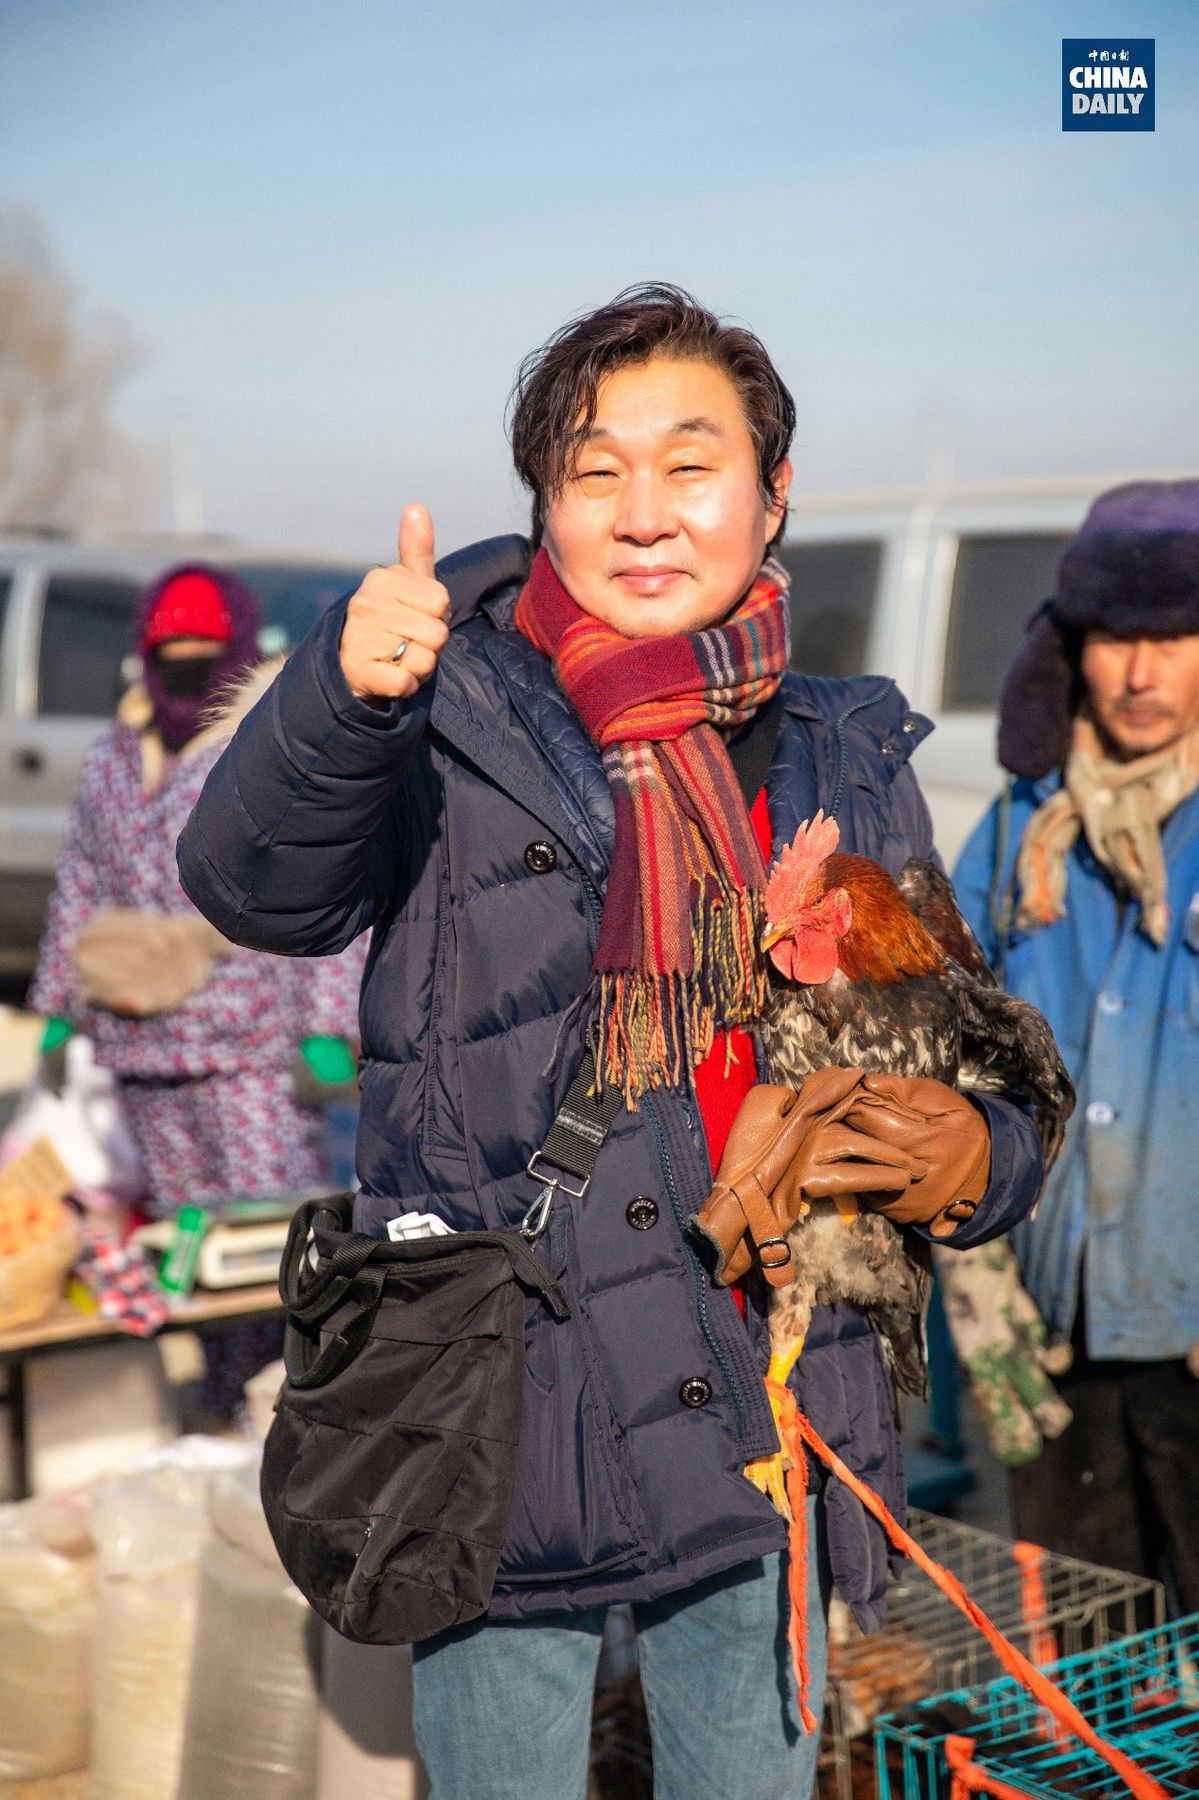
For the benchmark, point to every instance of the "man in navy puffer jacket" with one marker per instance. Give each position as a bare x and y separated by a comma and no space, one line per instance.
417,769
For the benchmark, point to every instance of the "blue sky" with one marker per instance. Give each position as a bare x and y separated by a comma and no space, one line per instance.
337,228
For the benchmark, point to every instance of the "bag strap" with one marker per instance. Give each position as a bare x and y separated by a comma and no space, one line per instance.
308,1293
309,1366
572,1145
357,1269
358,1265
571,1149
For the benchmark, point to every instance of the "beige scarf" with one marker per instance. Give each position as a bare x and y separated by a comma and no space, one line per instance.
1120,806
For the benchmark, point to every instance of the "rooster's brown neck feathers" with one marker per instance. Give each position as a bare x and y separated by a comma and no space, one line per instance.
886,941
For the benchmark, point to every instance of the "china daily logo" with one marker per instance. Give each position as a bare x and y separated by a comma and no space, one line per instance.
1107,84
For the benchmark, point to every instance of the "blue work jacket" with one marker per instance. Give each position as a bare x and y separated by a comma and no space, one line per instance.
1119,1212
472,827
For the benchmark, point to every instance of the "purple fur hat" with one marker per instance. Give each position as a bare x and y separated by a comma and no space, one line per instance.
1132,570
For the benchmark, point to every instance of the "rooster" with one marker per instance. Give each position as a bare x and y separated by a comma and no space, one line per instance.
885,976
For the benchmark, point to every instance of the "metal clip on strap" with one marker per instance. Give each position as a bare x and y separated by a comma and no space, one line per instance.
538,1215
572,1146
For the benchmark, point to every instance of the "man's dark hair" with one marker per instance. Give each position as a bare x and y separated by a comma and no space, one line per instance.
553,400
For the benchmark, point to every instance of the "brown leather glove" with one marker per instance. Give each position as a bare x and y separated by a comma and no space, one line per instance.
945,1138
785,1150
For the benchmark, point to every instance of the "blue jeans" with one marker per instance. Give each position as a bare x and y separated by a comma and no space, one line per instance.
503,1711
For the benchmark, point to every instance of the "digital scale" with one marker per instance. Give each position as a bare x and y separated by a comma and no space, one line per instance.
236,1243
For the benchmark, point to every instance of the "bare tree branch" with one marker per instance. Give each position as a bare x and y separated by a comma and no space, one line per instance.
63,460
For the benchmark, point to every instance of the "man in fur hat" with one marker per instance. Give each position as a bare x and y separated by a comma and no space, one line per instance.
1083,884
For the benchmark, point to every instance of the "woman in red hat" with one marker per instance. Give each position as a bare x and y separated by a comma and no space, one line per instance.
201,1037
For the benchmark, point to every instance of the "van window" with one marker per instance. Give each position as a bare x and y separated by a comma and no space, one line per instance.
292,597
834,587
86,625
997,582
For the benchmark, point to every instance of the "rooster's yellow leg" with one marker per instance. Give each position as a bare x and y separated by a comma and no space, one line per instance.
769,1473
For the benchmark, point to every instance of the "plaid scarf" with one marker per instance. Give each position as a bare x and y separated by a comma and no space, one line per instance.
1120,806
677,958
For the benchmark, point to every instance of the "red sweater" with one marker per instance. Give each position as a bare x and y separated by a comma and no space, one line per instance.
720,1091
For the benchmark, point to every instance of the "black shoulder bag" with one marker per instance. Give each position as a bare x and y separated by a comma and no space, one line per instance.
388,1469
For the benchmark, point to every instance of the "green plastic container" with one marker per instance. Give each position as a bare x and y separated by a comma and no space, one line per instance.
178,1272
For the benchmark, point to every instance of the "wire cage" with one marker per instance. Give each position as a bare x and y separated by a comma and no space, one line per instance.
1140,1693
1050,1606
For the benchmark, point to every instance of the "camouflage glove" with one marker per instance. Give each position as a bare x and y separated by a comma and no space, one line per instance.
1000,1339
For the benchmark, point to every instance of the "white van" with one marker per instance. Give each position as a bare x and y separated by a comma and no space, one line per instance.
932,587
65,624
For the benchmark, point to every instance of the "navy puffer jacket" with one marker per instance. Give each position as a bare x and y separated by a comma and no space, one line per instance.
471,827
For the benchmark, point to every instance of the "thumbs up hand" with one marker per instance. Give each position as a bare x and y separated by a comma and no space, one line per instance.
397,624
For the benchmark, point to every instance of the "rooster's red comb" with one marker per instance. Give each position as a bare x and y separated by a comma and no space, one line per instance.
797,867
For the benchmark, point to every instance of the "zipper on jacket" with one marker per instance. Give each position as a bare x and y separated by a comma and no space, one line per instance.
698,1278
594,903
441,958
843,742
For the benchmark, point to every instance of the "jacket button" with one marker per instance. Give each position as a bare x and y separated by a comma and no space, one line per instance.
541,858
642,1213
695,1391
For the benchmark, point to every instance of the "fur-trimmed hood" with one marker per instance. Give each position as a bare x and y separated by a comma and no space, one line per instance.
136,709
240,698
1132,570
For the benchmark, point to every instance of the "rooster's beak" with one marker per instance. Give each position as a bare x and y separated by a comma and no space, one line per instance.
773,935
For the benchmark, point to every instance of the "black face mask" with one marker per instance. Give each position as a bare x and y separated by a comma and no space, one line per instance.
185,677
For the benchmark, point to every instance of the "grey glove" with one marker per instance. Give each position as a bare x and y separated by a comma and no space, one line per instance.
1000,1339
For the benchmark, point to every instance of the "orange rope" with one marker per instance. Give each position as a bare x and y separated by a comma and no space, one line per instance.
969,1779
1030,1560
797,1582
795,1431
1034,1609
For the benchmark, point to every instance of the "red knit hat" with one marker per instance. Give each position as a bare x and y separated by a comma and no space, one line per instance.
191,605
